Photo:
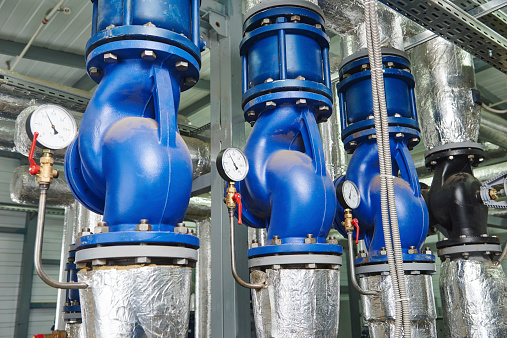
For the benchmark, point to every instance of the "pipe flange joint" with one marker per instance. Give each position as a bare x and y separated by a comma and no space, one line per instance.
472,150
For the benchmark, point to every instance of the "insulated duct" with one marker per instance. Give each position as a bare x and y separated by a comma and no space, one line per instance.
296,302
473,298
445,78
379,311
136,301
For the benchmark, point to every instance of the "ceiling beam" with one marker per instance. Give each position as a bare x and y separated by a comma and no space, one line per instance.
35,53
84,83
196,106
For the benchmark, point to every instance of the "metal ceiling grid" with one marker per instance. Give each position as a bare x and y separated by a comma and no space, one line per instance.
448,20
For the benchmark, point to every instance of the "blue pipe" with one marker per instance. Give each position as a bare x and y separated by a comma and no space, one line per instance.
287,190
354,92
129,161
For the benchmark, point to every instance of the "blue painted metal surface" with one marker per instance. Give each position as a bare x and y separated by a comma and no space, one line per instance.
357,128
287,190
72,301
129,161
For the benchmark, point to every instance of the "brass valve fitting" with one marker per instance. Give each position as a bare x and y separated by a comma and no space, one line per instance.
47,173
229,201
347,224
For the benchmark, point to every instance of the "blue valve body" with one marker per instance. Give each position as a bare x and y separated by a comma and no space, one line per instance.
358,130
129,161
286,91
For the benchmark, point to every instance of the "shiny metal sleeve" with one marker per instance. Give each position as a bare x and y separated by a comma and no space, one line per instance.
249,4
136,301
445,77
379,311
297,303
474,299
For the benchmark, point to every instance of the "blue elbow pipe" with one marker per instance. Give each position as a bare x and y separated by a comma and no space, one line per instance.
129,161
358,132
286,92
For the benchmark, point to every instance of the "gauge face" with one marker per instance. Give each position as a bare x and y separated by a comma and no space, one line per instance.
55,125
232,164
348,195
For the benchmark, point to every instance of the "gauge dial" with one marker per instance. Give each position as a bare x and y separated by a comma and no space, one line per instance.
232,164
55,125
348,195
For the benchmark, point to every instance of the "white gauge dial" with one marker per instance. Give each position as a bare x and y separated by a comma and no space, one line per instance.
55,125
232,164
348,195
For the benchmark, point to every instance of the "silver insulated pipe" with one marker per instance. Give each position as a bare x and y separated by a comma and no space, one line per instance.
444,76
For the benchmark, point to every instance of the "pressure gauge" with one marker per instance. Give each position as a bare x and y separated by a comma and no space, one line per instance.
232,164
55,125
348,195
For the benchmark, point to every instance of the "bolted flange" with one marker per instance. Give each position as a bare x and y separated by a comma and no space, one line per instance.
276,240
309,239
181,229
101,228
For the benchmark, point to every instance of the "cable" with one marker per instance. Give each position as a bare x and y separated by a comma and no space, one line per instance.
496,111
502,256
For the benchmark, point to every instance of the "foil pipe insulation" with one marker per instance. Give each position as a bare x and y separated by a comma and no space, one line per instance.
75,330
379,310
473,299
296,302
136,301
203,280
445,78
334,152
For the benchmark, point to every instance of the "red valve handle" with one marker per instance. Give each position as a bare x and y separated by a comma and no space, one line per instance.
237,198
34,168
355,223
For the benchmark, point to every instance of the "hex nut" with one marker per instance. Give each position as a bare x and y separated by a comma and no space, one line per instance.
276,240
302,78
332,240
399,135
383,251
101,229
433,162
265,22
181,66
142,260
311,266
324,108
270,104
318,26
148,55
362,254
301,102
268,80
309,239
94,71
251,113
181,228
110,26
412,250
352,143
189,81
110,58
99,262
149,24
428,251
143,225
181,261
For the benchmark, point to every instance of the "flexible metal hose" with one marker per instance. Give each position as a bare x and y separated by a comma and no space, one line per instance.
39,237
388,206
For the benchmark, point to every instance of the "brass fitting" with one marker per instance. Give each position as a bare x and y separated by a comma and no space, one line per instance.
347,224
231,190
55,334
47,173
493,193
